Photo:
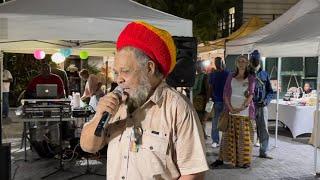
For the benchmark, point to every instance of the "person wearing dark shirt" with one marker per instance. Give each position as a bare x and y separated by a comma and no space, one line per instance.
39,138
45,77
217,81
263,94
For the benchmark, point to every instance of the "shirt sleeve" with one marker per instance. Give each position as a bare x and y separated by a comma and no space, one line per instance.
189,145
269,91
7,74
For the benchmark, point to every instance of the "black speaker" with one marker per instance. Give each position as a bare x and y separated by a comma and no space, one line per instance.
5,161
183,75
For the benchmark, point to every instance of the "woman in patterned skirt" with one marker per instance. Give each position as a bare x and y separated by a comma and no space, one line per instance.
236,145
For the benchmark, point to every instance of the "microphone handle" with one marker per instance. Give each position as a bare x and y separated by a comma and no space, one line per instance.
106,116
104,119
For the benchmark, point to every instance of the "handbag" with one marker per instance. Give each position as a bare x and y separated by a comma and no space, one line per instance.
224,121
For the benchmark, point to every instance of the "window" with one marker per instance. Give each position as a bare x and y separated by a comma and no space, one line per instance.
231,20
311,68
292,64
272,67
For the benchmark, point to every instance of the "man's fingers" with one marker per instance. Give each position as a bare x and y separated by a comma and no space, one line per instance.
109,103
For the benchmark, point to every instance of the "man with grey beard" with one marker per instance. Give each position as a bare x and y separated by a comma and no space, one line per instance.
153,133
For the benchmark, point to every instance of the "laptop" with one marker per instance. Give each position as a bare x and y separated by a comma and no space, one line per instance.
47,91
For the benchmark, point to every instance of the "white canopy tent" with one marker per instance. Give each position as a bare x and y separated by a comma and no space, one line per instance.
95,48
245,44
299,38
76,24
81,19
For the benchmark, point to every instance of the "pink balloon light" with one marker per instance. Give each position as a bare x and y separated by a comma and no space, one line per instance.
39,54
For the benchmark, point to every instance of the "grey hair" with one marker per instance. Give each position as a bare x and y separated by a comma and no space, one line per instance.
143,59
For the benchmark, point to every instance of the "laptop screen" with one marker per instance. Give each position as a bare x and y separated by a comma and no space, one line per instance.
47,91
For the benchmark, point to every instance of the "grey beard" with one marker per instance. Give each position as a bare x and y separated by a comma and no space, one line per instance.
139,98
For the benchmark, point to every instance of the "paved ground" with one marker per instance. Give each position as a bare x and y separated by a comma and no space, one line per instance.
293,159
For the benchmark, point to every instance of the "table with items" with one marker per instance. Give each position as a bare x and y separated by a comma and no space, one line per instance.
297,114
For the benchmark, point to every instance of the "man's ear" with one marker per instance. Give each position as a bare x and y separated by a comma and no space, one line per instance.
151,67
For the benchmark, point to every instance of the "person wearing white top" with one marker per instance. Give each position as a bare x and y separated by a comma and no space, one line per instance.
236,143
239,87
7,79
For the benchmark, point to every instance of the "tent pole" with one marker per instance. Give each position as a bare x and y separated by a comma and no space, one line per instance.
1,79
278,95
316,144
1,98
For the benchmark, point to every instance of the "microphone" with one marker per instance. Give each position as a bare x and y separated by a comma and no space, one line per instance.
106,116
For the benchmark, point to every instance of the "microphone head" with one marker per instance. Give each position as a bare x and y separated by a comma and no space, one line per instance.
118,91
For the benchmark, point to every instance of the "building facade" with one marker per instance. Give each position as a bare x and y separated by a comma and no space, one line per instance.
242,10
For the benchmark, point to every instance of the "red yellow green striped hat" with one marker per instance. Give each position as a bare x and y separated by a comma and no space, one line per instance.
154,42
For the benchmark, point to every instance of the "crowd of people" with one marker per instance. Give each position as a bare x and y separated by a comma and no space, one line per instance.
243,94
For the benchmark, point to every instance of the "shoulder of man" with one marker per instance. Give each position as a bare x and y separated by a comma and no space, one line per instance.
56,77
176,97
263,75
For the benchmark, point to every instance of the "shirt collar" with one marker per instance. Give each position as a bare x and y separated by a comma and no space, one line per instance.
157,95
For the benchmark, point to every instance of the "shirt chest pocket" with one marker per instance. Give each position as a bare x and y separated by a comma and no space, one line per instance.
153,152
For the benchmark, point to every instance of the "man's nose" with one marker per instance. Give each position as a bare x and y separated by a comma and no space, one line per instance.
120,80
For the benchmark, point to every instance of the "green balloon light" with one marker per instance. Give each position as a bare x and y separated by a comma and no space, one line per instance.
84,55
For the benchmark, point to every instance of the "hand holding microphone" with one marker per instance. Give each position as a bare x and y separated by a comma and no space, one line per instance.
108,106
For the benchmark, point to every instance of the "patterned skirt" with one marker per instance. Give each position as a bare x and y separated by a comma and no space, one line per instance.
236,143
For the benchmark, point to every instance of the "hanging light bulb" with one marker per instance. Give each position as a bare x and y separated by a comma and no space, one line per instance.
58,58
39,54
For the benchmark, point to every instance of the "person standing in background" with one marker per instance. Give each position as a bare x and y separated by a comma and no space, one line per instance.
217,80
7,79
45,77
200,93
93,86
263,94
236,144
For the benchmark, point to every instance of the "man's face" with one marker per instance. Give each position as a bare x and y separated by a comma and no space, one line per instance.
255,62
131,77
45,70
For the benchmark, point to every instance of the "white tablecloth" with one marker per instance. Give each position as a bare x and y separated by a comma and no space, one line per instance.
299,119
